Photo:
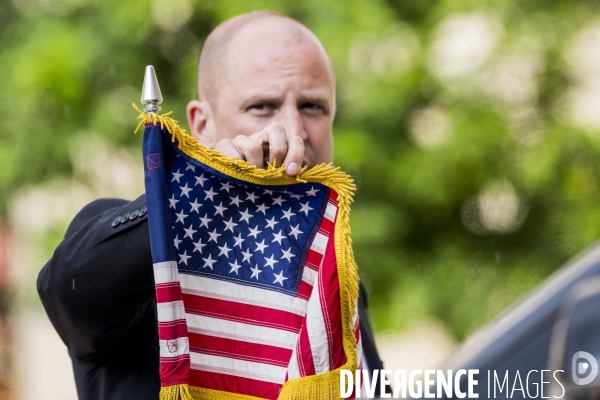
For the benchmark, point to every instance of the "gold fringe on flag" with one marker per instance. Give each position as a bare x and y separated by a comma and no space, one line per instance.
176,392
325,385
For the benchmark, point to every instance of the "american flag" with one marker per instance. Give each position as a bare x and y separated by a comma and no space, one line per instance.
247,289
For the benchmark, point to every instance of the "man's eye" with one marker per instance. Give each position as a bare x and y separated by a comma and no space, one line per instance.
313,108
261,109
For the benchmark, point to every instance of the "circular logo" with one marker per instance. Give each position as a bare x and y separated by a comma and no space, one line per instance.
581,367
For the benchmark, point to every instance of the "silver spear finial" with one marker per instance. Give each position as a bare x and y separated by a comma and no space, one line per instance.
151,96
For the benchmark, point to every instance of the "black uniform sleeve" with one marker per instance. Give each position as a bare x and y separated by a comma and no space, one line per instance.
99,281
368,339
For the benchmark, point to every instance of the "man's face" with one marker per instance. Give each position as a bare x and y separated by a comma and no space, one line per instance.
266,80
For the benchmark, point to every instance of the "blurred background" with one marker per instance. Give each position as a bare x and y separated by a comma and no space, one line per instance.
472,130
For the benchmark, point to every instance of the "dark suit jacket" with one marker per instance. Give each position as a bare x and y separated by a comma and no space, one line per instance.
98,290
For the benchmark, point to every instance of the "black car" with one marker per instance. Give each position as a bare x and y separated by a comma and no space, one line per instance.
547,346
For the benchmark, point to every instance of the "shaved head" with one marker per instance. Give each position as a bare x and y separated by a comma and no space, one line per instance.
269,26
263,75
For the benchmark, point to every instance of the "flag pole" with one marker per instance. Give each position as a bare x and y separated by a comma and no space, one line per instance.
151,96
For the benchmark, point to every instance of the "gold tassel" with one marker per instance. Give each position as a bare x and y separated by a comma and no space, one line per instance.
175,392
326,385
210,394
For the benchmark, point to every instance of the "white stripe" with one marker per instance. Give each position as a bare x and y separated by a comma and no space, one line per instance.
309,275
241,368
293,367
317,334
330,212
171,311
229,291
166,272
319,243
174,348
240,331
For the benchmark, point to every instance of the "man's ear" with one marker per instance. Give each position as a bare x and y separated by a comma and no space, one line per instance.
201,120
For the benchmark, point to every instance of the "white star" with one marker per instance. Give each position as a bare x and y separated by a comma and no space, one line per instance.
190,232
184,257
234,267
279,278
180,217
177,241
255,272
185,190
279,201
210,193
220,209
247,256
306,208
238,240
312,191
229,225
200,180
176,176
205,220
208,262
198,246
254,231
278,237
251,196
224,250
263,209
295,231
288,214
287,254
245,216
296,196
226,186
190,166
195,206
271,223
261,246
269,192
270,261
214,235
173,202
236,200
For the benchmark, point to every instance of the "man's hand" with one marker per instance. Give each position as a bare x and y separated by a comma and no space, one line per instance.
270,144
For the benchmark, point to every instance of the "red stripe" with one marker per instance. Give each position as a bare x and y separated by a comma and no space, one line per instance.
327,225
172,330
234,384
330,303
240,312
167,292
304,290
241,350
313,259
333,196
174,373
305,359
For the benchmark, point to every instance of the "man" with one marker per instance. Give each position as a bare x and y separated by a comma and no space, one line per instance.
266,92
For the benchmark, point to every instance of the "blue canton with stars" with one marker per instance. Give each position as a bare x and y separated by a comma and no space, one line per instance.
237,231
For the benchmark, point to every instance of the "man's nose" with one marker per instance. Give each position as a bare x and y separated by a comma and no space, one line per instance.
293,122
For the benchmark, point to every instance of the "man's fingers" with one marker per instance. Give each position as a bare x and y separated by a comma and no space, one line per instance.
278,147
226,147
295,155
270,144
250,149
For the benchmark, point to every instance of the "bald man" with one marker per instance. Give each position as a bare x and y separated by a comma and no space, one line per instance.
266,92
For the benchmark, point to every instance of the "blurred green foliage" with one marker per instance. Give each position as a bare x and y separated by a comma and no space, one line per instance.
469,127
